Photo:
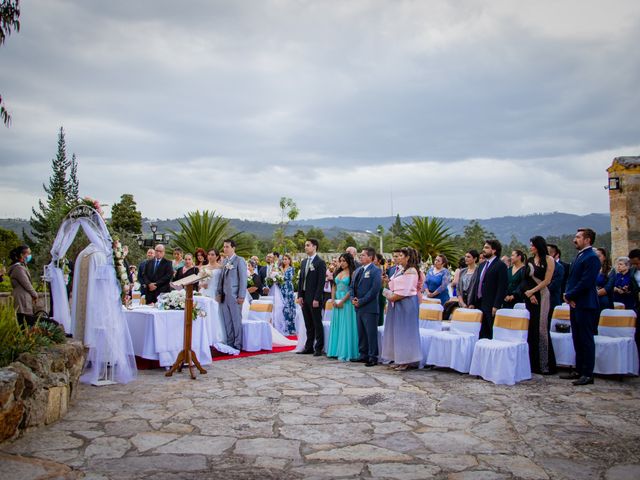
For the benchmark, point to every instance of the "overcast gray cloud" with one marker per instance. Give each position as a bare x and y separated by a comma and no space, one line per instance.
466,108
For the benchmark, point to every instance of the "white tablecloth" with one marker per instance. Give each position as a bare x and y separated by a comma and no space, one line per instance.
256,335
213,320
158,335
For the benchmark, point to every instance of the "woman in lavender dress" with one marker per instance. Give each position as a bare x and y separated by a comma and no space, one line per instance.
401,339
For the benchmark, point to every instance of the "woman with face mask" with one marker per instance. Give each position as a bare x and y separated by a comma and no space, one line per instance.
24,295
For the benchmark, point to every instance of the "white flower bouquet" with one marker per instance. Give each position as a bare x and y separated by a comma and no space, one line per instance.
176,300
275,277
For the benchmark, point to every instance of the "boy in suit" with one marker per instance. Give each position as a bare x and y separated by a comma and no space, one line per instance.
364,289
582,297
310,293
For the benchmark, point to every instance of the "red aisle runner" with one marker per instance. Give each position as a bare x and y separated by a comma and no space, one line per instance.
144,364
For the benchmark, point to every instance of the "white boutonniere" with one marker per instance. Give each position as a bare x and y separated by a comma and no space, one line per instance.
367,274
229,266
311,268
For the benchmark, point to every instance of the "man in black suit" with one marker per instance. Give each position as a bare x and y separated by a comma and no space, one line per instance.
310,289
158,272
555,252
151,253
490,286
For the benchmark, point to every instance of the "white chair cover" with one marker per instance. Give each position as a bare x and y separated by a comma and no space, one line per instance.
328,311
431,316
261,310
504,360
430,301
326,326
616,350
256,335
454,349
618,306
562,342
520,306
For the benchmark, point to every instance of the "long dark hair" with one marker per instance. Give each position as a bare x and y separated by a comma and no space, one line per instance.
16,254
606,264
541,247
350,265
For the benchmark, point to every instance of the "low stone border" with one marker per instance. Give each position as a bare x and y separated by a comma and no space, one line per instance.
36,389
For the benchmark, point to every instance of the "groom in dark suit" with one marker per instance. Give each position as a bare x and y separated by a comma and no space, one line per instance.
582,297
364,290
490,286
158,272
310,289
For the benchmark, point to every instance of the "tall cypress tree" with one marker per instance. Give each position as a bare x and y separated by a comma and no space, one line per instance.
73,194
46,219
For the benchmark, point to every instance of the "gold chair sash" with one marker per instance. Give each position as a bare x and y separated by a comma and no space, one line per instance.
459,316
428,314
559,314
611,321
511,323
261,307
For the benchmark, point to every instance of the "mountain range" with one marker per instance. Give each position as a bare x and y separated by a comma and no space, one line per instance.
522,227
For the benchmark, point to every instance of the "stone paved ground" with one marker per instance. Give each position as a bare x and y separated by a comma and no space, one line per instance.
290,416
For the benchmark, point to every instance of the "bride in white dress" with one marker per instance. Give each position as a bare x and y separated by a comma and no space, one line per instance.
208,287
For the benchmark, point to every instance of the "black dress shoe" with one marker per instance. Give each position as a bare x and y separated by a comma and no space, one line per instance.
358,360
317,354
305,352
583,381
570,376
370,364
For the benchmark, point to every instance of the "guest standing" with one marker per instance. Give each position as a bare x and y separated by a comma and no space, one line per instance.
364,291
382,301
232,289
606,279
582,297
401,339
158,273
490,286
555,252
465,277
310,286
141,267
24,295
264,273
256,288
178,259
438,278
625,289
186,270
354,253
343,335
515,277
200,257
288,294
537,277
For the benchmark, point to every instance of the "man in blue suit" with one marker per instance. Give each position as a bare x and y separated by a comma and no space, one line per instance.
364,290
582,297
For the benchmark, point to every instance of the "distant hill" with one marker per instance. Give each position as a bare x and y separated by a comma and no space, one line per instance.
523,227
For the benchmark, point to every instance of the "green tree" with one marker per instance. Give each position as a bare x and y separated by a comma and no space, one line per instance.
124,215
9,21
73,190
318,234
8,241
514,244
430,237
46,220
344,240
288,212
207,230
473,237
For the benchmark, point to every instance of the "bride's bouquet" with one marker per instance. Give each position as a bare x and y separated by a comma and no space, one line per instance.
275,277
176,300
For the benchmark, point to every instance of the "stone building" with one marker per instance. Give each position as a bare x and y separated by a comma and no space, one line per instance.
624,203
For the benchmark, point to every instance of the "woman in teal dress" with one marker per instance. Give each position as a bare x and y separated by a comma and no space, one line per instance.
343,335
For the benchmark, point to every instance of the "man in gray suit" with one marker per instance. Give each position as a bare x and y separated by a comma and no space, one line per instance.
232,288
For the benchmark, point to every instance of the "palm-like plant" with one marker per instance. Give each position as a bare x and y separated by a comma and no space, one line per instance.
206,230
430,237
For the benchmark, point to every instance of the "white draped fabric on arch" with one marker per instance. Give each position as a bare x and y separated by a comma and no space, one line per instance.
110,356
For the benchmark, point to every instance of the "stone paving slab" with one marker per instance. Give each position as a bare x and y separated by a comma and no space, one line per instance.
288,416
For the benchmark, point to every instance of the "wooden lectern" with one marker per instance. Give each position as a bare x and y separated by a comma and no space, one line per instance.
187,356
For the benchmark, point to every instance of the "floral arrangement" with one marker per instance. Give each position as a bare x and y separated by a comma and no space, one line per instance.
176,300
93,203
275,277
121,271
250,282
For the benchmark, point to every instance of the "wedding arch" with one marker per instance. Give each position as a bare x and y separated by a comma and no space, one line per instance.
110,358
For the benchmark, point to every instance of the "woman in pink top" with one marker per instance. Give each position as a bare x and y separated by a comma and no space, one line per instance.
401,339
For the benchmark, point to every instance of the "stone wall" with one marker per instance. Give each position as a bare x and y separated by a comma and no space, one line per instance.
36,389
624,204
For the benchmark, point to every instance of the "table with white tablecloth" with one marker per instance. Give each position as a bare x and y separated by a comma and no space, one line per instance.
159,335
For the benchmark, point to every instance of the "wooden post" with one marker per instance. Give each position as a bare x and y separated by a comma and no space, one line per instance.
187,355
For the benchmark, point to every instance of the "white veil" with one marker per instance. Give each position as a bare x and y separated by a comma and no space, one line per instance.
111,356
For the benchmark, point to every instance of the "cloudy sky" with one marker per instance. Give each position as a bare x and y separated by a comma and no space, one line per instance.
452,108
